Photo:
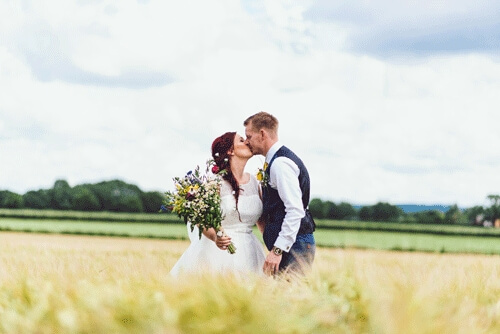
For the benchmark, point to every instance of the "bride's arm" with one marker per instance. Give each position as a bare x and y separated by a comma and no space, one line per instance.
221,242
210,234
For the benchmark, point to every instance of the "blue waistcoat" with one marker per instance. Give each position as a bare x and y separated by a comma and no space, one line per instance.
274,208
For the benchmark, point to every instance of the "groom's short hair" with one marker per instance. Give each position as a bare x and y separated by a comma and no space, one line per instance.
263,120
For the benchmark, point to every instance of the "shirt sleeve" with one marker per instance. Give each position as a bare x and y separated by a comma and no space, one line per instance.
285,178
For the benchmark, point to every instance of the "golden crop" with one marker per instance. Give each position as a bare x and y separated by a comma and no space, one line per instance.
77,284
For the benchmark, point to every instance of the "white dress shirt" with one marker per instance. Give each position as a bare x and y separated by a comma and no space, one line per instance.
284,177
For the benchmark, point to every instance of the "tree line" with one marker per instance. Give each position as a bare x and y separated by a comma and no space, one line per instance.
119,196
114,195
391,213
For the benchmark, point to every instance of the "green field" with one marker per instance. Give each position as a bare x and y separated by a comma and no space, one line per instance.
89,216
442,229
102,228
348,238
407,241
436,229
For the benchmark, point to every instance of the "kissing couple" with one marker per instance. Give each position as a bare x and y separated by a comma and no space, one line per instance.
276,200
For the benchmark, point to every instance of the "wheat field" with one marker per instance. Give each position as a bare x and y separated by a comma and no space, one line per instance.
79,284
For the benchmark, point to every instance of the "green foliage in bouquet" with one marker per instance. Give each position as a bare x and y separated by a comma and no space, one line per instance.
196,199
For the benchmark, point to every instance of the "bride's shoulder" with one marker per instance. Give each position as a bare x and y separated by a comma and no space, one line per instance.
253,178
225,188
253,181
224,183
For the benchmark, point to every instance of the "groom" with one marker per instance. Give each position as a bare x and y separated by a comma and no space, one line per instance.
289,226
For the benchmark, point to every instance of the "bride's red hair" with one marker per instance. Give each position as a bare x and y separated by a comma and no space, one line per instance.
221,148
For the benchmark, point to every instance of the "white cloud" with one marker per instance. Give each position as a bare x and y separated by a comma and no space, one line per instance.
388,28
416,130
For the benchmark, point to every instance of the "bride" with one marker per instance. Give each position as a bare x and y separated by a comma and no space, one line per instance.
241,206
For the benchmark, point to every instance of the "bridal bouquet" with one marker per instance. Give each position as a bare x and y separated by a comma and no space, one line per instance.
196,199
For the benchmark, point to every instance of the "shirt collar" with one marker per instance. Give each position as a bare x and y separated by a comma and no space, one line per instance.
272,151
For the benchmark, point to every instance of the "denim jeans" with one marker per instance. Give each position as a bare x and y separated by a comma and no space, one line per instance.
301,256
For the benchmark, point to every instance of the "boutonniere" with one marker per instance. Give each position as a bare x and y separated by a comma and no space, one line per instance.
262,176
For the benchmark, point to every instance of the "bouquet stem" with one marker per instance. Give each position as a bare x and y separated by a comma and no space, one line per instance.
231,248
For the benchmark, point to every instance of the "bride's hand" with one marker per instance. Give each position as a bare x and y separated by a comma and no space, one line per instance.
223,242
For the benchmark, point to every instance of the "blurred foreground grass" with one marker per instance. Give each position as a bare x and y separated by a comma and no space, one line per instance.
80,284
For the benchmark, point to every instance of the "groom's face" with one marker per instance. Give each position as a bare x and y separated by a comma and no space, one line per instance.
253,140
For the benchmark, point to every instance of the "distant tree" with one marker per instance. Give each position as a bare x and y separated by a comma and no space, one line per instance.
495,200
39,199
10,200
84,199
366,213
130,203
380,212
342,211
494,210
316,208
114,195
409,218
455,216
386,212
346,211
474,212
119,196
152,201
61,195
429,217
329,210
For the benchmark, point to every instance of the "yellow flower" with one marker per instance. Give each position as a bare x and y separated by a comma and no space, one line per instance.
262,176
177,205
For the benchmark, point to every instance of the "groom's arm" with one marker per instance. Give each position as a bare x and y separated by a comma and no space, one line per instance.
260,224
285,178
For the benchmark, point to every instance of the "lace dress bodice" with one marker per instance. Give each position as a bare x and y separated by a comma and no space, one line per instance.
249,206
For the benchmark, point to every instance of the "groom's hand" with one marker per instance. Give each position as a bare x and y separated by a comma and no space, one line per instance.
272,264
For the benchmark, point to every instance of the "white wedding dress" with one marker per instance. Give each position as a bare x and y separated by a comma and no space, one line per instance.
203,256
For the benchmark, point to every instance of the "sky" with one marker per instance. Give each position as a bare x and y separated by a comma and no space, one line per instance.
384,101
